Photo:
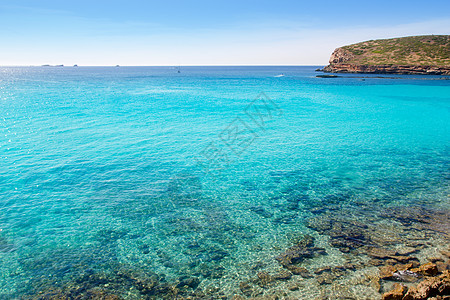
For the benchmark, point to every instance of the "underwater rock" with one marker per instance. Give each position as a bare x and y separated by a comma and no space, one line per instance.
405,251
115,285
396,294
381,256
374,282
387,272
261,211
375,262
296,270
293,287
442,266
246,288
286,219
347,239
445,253
325,279
351,266
408,215
346,235
211,271
320,223
405,259
264,279
106,236
5,246
297,253
217,254
380,253
335,271
319,271
76,294
191,282
338,272
283,275
416,244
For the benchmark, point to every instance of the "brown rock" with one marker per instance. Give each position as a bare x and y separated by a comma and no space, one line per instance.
416,244
445,275
337,272
283,275
403,267
425,289
246,289
391,261
297,253
412,294
444,289
406,250
405,259
374,282
396,294
428,269
445,253
319,271
380,253
376,262
387,272
442,266
296,270
293,287
325,279
350,266
264,278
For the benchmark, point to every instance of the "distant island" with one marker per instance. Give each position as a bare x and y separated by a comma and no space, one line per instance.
427,54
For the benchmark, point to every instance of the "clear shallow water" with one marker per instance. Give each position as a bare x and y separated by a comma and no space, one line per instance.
99,168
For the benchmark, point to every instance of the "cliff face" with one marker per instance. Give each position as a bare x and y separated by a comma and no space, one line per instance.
386,69
408,55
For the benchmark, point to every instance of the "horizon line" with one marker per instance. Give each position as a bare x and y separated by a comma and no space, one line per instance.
115,66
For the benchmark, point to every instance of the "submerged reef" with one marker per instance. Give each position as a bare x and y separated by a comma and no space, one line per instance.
331,246
405,258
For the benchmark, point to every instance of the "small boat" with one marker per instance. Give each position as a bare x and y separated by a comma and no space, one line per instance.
280,75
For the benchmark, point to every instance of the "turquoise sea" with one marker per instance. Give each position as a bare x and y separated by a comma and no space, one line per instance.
142,182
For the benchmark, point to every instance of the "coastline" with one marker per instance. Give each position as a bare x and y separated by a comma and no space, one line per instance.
387,69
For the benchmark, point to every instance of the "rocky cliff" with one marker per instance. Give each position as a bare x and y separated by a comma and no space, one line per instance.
408,55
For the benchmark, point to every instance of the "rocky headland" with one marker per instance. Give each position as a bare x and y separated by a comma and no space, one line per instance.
428,54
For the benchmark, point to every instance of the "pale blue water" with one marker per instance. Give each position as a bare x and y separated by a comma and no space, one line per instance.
99,171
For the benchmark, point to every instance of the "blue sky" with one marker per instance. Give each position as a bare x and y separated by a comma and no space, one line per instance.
282,32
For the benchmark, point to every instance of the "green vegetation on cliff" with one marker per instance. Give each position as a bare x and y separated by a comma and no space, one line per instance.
427,50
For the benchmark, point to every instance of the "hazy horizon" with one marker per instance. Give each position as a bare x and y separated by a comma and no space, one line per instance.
199,33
